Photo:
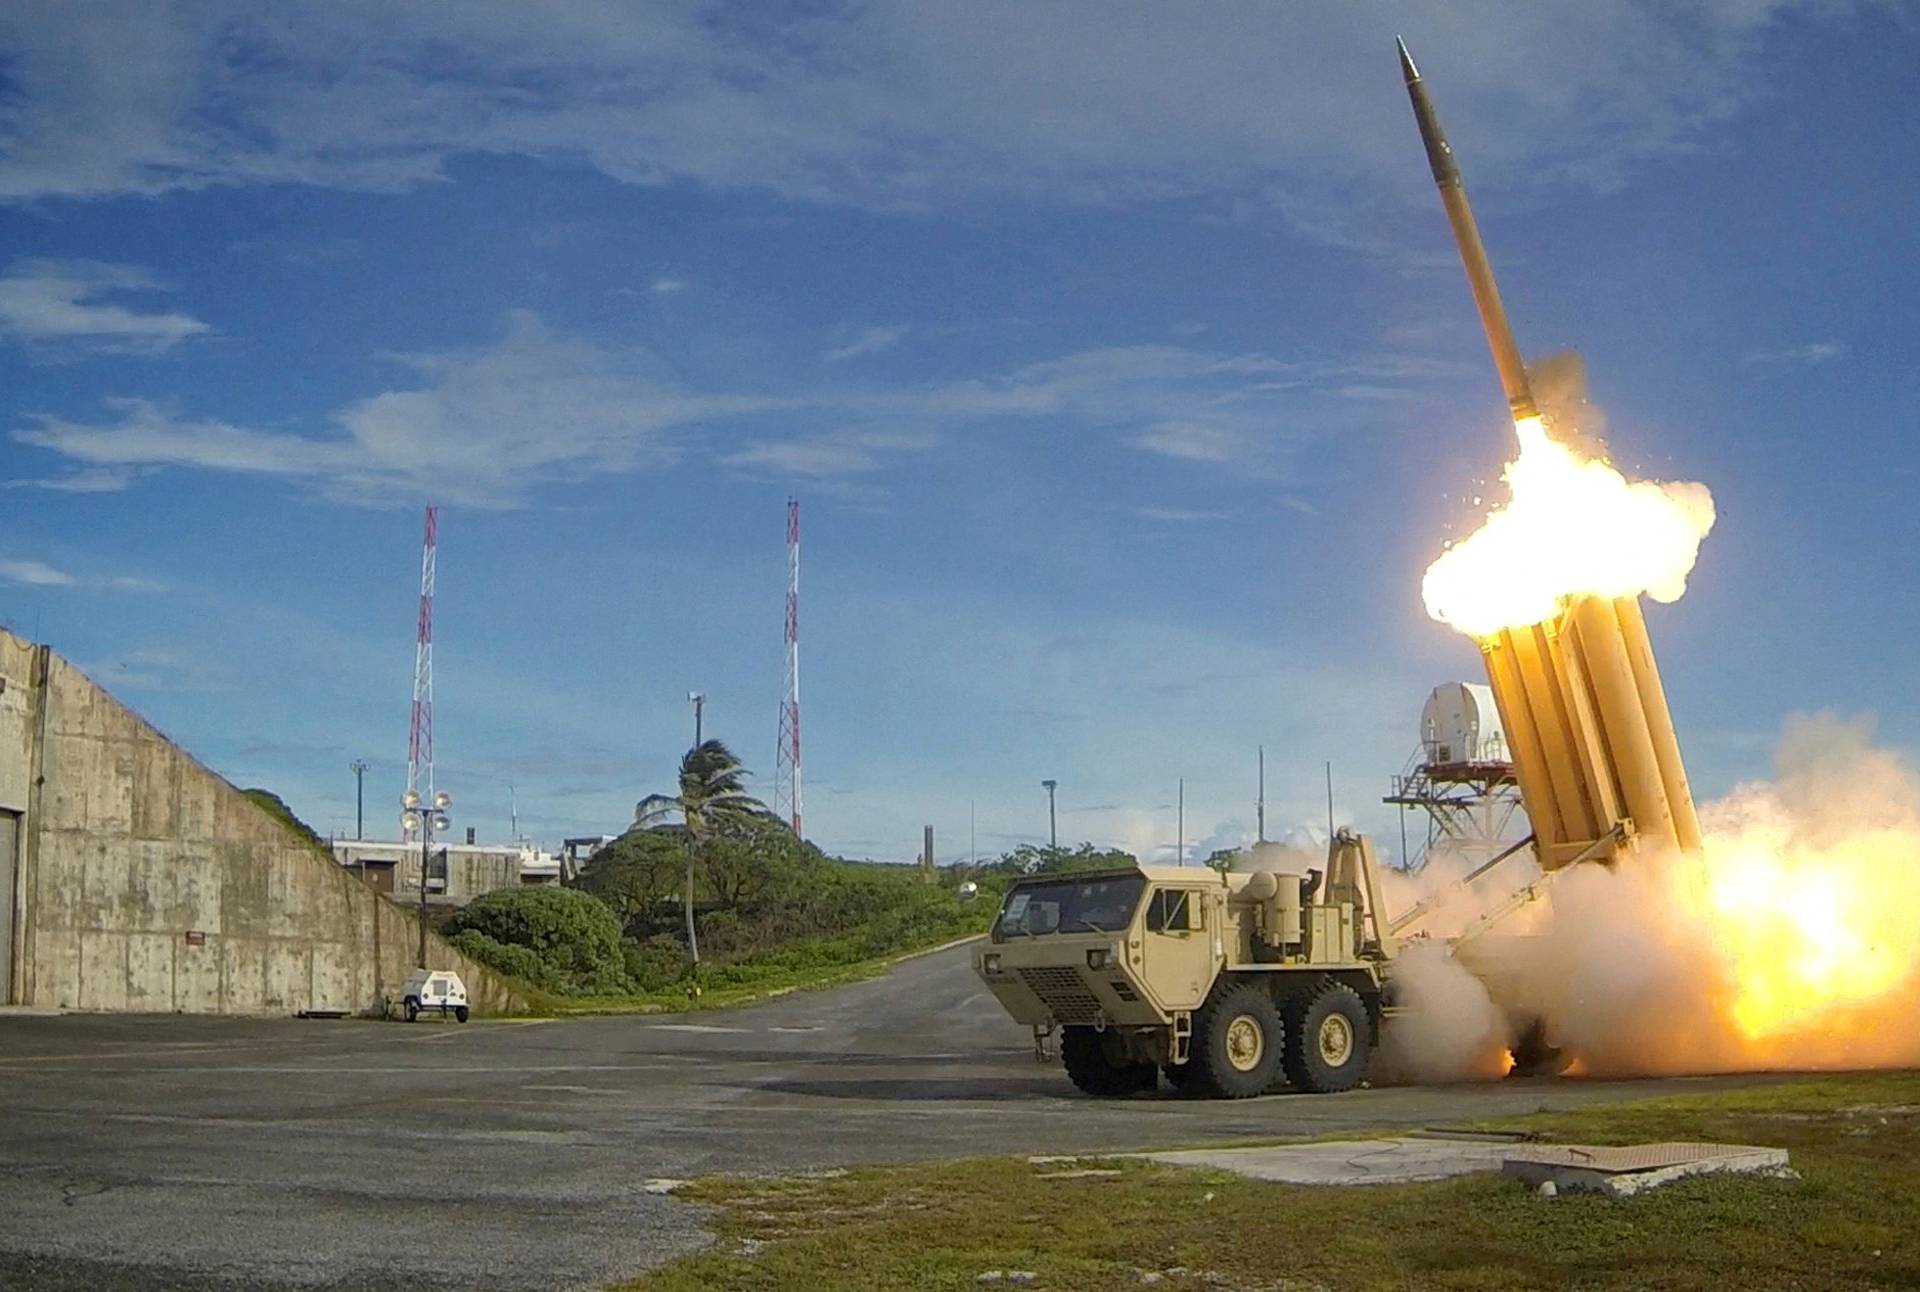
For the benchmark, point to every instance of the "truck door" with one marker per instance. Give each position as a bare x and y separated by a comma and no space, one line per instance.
1178,951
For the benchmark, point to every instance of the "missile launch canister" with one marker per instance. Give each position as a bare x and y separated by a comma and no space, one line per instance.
1453,195
1580,698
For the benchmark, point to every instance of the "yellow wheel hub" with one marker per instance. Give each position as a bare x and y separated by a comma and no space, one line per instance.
1336,1040
1246,1043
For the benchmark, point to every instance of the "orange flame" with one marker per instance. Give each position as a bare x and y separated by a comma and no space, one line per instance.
1793,937
1573,525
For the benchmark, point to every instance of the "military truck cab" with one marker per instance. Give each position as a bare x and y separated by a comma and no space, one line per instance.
1230,983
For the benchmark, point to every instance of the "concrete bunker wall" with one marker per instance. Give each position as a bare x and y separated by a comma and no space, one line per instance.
145,882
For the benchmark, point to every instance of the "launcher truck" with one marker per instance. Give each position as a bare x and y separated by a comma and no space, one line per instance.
1273,972
1231,983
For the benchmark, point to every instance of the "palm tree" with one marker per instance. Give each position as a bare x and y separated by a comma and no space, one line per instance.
710,801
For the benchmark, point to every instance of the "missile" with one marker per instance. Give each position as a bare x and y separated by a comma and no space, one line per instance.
1466,234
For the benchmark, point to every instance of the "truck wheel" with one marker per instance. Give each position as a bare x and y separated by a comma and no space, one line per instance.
1534,1055
1085,1055
1329,1039
413,1009
1237,1042
460,1013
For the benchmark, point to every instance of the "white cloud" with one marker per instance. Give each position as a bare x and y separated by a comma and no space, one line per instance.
883,106
1178,515
1192,441
62,303
38,574
91,481
482,428
667,286
34,574
488,427
872,341
836,454
1798,356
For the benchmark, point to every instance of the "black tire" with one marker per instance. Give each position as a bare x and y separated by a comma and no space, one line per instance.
1535,1056
1237,1040
1184,1077
1096,1064
413,1009
460,1013
1329,1039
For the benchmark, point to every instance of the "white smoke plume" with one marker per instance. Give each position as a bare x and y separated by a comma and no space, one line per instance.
1791,942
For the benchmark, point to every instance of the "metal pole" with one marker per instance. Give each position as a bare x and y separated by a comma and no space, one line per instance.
1053,821
426,849
359,798
1329,802
1260,831
699,703
1180,848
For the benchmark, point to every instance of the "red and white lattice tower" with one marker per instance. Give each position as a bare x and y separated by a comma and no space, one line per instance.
786,786
420,739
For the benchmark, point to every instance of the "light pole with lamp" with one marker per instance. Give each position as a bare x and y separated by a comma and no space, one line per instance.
426,818
1053,826
359,766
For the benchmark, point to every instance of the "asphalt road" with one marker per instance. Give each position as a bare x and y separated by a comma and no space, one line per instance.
144,1152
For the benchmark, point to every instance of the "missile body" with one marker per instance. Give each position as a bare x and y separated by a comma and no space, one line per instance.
1486,293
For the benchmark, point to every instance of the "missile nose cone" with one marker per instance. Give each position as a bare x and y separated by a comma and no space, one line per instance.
1407,68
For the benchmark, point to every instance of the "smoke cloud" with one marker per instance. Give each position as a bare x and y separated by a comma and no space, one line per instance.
1791,942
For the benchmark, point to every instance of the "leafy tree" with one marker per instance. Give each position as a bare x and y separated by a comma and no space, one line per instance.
1031,859
572,937
711,801
635,874
751,860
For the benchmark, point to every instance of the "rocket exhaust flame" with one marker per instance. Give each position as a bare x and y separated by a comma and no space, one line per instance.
1779,929
1574,526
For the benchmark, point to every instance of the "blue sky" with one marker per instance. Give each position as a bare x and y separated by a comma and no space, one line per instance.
1117,354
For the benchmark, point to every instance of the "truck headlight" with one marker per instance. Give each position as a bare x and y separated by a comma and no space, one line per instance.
1100,958
990,963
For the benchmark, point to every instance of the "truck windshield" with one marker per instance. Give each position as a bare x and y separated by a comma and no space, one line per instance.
1069,906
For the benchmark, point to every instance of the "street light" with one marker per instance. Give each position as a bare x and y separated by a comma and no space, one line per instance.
698,699
359,766
426,818
1053,824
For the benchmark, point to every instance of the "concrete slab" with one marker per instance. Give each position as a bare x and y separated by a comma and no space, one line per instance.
1622,1172
1349,1161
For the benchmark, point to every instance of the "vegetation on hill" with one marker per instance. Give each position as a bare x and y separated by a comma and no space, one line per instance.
277,808
766,911
556,939
713,806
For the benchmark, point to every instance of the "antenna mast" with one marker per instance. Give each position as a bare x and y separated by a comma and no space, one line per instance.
787,791
420,739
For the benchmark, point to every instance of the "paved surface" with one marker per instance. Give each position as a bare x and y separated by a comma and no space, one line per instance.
1348,1161
140,1152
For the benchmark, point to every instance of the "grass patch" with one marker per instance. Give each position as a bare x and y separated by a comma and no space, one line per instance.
744,984
1852,1221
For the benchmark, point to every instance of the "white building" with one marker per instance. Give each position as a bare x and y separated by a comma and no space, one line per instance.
459,872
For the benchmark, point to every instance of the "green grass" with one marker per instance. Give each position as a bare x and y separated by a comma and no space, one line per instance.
1851,1221
742,983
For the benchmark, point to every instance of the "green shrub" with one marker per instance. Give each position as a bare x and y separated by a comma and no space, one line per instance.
655,963
515,962
573,937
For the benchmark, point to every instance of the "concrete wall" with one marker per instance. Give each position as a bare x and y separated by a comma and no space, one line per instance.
145,882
